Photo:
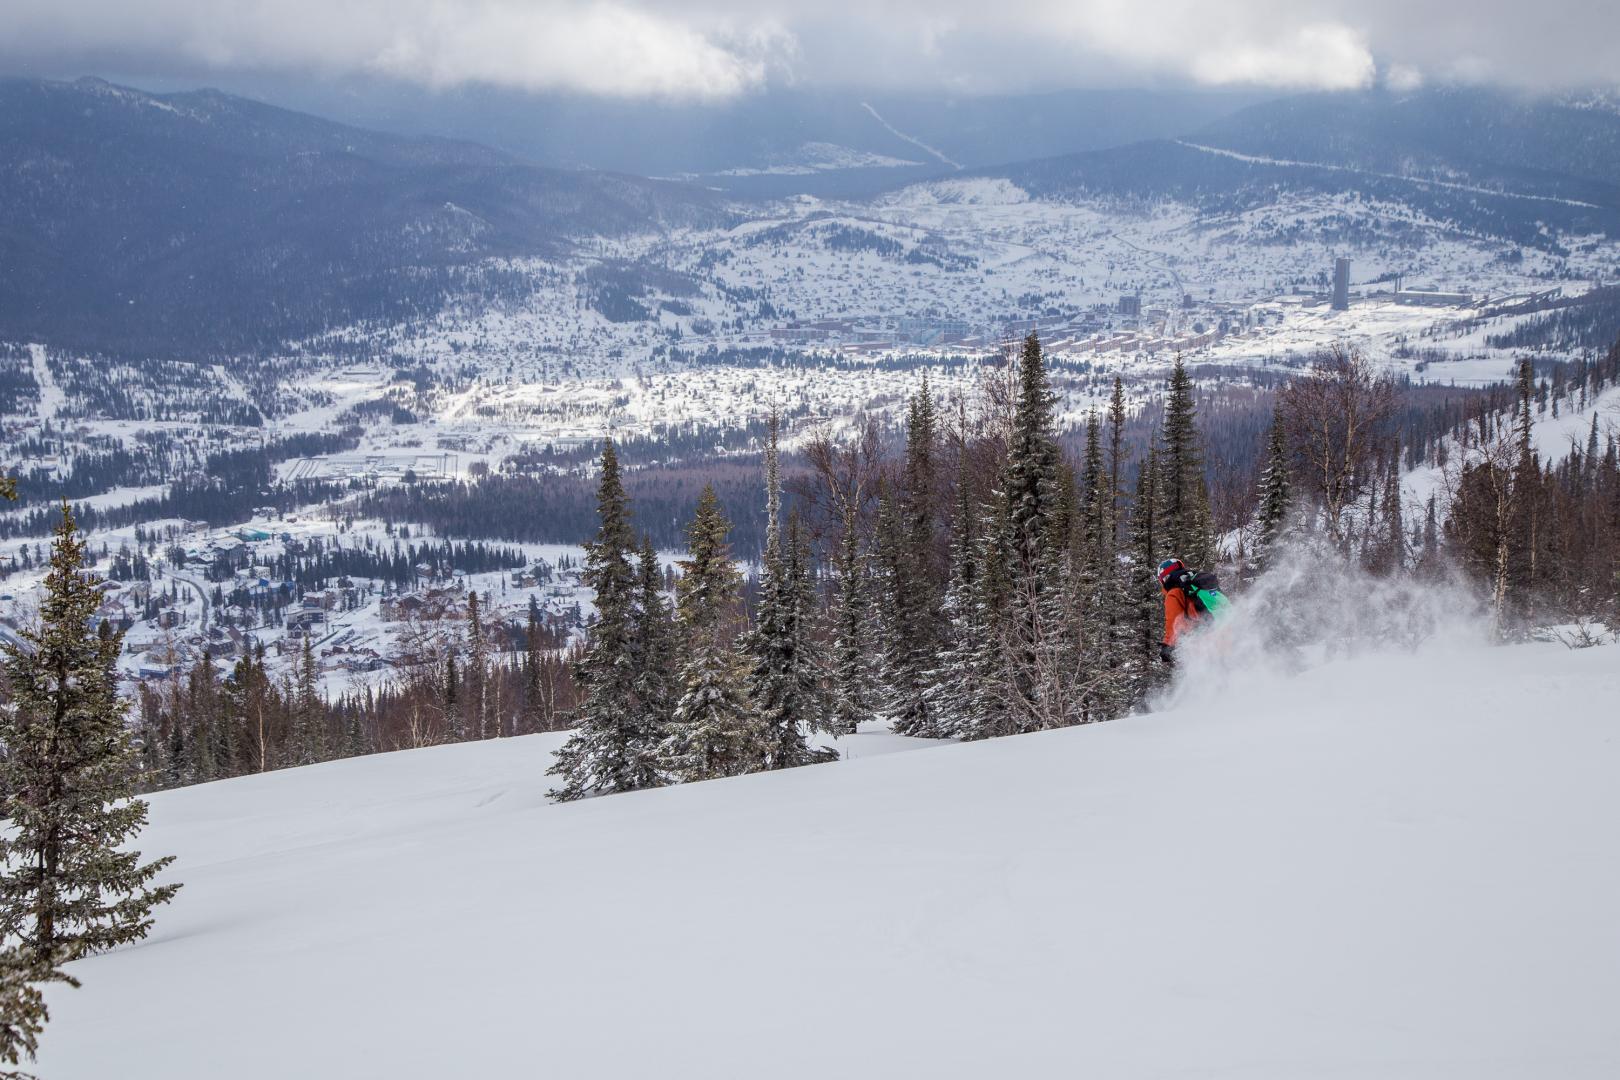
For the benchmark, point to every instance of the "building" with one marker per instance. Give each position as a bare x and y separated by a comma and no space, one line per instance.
1432,298
1130,305
931,331
1341,284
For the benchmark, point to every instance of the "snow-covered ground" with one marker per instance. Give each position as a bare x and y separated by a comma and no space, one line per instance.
1397,865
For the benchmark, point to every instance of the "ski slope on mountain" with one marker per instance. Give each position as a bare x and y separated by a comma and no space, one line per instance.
1399,865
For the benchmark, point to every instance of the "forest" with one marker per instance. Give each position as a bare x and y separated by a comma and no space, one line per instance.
984,576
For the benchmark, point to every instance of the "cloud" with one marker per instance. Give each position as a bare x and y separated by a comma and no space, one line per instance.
711,49
1324,56
597,48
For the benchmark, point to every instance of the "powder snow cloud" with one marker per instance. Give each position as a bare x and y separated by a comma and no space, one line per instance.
713,49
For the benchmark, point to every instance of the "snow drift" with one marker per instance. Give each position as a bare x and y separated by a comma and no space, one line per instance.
1401,864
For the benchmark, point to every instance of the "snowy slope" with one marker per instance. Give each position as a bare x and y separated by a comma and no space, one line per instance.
1390,866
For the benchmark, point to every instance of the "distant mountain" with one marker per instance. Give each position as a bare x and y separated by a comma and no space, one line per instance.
772,143
1492,162
1537,145
203,222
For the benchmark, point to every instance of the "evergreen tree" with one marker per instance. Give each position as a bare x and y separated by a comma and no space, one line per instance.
656,649
716,732
1032,485
1528,508
309,714
1146,595
1100,601
355,743
783,684
199,726
1183,526
475,679
785,687
912,597
1041,673
953,689
988,707
1387,538
1275,496
23,1014
69,885
450,697
851,690
612,747
1116,456
534,703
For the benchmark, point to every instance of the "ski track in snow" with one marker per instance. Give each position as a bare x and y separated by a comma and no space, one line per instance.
1451,185
913,140
51,395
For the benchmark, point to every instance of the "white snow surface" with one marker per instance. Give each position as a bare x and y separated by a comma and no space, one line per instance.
1395,865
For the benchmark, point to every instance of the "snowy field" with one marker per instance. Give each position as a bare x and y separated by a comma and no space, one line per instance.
1397,866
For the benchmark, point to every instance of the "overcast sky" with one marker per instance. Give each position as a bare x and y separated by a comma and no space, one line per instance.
707,49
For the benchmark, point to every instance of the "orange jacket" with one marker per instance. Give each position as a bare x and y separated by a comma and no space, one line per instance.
1178,612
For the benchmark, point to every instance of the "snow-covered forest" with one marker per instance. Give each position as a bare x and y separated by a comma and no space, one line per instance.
717,540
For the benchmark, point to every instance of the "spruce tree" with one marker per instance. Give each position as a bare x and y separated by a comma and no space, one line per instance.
716,732
1528,511
1146,595
309,715
533,691
1032,484
989,707
1388,533
70,886
913,597
23,1014
1183,513
1275,496
1099,602
656,649
1116,456
785,685
851,691
450,696
612,747
952,683
782,679
475,697
1041,673
810,667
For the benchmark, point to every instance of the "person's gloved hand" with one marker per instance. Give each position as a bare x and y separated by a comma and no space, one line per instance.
1167,653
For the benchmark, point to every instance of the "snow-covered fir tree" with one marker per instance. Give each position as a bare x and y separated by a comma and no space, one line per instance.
1040,640
1183,525
1100,599
1145,594
535,709
913,596
1276,497
614,747
952,684
851,690
783,679
309,714
69,883
657,652
475,677
716,731
989,709
23,1013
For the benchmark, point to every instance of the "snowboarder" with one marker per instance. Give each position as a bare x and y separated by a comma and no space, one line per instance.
1189,595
